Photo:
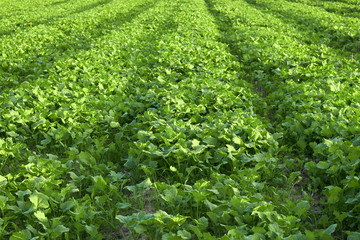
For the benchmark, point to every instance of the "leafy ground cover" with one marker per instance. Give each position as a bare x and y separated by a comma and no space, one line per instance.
172,119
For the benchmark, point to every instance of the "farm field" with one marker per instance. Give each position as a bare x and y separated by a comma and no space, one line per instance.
179,119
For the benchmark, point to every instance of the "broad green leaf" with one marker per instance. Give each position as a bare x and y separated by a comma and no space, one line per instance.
86,158
170,195
91,230
100,183
41,216
354,154
123,205
66,206
195,143
3,200
255,135
119,136
275,228
196,230
302,207
123,219
46,141
236,201
198,196
258,230
3,181
58,227
340,217
301,144
230,148
207,236
130,163
237,140
144,184
202,222
332,193
39,200
178,219
184,234
210,141
114,124
354,236
210,205
309,235
323,165
331,229
139,228
18,236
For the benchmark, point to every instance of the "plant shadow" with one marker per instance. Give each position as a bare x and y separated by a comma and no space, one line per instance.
316,27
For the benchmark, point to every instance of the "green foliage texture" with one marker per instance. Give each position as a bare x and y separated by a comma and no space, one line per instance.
179,119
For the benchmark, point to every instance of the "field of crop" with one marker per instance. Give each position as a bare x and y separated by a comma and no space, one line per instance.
179,119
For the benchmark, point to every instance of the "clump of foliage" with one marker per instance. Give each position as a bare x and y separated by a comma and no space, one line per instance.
172,119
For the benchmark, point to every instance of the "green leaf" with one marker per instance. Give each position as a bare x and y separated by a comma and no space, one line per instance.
100,183
12,134
258,230
87,159
61,229
3,200
332,194
302,207
354,154
195,143
114,124
196,230
198,196
275,228
170,195
309,235
323,165
18,236
123,219
301,144
123,205
236,201
210,141
340,217
207,236
3,181
255,135
91,230
354,236
39,200
46,141
66,206
179,219
144,184
140,228
331,229
118,136
130,163
237,140
202,223
41,216
184,234
230,148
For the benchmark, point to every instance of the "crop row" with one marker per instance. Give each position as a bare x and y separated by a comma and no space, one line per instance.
343,8
214,119
312,93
